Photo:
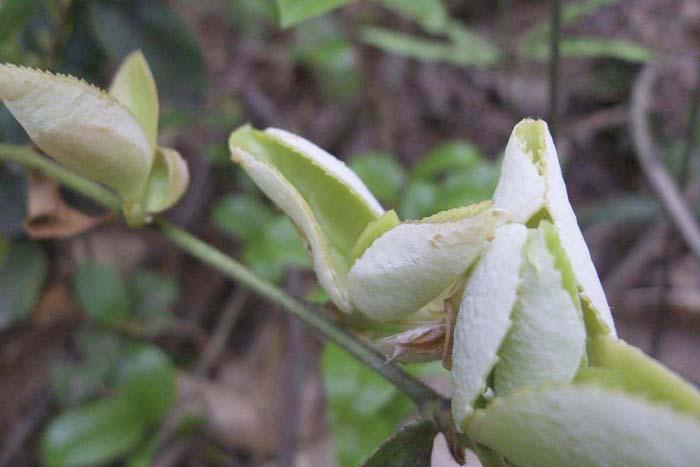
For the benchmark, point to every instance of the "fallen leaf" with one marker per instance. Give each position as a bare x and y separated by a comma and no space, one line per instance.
48,216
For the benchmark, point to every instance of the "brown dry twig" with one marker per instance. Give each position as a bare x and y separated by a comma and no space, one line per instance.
648,154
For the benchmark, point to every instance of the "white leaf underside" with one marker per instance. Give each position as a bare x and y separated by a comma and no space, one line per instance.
547,339
530,182
413,263
484,317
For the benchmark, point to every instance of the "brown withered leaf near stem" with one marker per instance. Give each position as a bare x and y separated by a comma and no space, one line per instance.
421,343
48,216
451,305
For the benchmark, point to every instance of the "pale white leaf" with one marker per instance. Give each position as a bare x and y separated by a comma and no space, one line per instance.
413,263
485,317
531,180
547,339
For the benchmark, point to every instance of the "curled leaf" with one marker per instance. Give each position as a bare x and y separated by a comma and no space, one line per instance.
586,426
133,87
80,126
327,201
484,317
531,187
168,180
412,264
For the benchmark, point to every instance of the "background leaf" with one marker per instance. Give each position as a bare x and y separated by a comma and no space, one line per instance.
594,47
323,47
241,216
22,275
431,15
147,381
463,49
277,248
171,49
364,408
409,447
14,14
92,434
102,293
76,381
295,11
383,175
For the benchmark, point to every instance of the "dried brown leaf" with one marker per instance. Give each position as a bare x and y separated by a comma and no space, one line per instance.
48,216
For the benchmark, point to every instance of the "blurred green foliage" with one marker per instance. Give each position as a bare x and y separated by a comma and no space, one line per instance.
23,269
172,51
383,175
462,47
295,11
535,45
270,243
411,446
102,293
121,388
323,47
14,14
364,408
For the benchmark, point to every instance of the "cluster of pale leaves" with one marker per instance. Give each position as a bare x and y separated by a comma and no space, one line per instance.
109,137
504,291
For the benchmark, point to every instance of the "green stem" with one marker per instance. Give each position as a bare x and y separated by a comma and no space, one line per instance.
26,156
426,399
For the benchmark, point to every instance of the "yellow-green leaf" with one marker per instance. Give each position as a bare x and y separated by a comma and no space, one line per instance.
642,374
133,87
168,180
586,426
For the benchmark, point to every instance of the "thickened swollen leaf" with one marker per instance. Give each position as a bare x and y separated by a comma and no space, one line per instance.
413,263
531,187
547,340
484,317
586,426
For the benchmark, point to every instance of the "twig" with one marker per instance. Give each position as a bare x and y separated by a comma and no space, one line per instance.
555,29
661,317
224,327
292,375
21,431
691,131
428,401
27,157
647,153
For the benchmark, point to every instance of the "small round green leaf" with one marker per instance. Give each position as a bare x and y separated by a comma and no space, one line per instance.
102,293
147,381
92,434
